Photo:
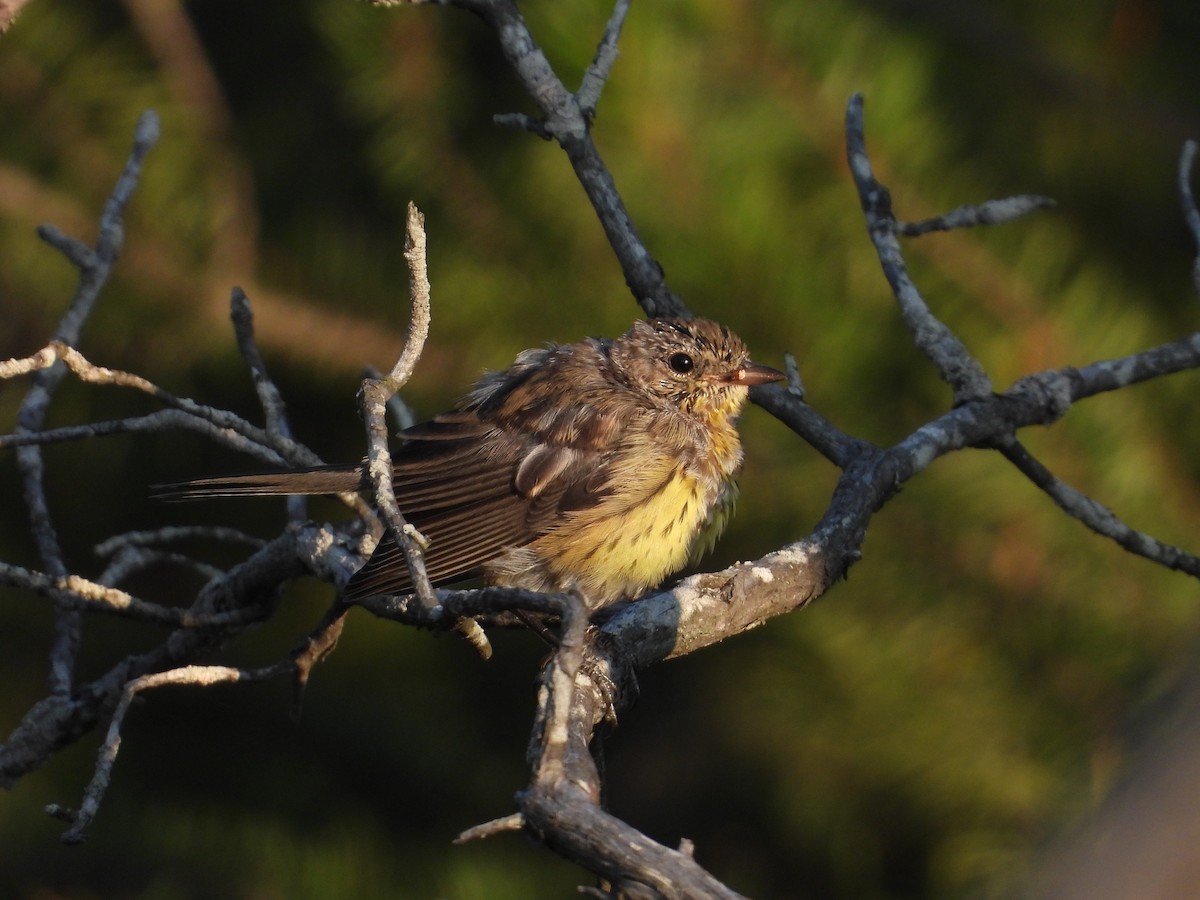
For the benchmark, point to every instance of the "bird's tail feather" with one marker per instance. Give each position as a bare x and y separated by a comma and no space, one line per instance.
315,480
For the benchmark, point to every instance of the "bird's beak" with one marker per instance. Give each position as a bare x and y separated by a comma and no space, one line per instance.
753,373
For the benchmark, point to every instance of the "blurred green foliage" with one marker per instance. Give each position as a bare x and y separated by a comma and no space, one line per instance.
974,687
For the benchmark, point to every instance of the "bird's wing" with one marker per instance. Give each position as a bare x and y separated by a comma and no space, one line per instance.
474,489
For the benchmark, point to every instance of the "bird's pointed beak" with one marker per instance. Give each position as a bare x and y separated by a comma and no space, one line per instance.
752,373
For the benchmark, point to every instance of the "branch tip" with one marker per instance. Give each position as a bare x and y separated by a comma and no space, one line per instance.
522,122
596,76
514,822
1191,215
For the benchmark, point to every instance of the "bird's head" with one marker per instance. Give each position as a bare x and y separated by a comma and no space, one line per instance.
697,365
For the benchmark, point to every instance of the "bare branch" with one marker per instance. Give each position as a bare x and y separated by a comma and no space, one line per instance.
84,370
218,425
522,122
515,822
243,595
77,593
954,363
137,550
565,118
76,251
198,676
579,829
221,426
43,359
1095,515
550,749
592,84
130,561
170,533
374,397
826,438
94,269
1191,215
156,422
314,649
1112,374
991,212
416,256
269,395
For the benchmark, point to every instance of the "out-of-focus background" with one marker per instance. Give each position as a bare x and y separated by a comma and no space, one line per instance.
978,686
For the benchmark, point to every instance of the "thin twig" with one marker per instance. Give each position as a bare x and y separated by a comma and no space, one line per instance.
131,560
79,254
289,451
270,398
158,536
374,399
1191,215
954,363
200,676
94,270
416,255
1097,516
78,593
157,421
136,550
314,649
1112,374
564,119
90,373
991,212
514,822
222,426
826,438
43,359
523,122
596,75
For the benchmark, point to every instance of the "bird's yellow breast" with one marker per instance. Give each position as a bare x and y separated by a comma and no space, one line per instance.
647,528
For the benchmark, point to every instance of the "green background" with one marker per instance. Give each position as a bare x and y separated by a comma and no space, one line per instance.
974,689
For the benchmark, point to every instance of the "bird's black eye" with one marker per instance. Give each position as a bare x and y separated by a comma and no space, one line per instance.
681,363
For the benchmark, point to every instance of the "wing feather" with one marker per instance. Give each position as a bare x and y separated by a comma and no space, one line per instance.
498,473
462,493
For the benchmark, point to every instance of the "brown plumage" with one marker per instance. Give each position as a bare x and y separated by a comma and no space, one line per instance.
598,466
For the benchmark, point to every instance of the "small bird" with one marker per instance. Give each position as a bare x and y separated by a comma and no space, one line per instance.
601,467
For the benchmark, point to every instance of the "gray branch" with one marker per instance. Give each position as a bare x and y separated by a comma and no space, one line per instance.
954,363
94,269
566,120
1191,215
990,212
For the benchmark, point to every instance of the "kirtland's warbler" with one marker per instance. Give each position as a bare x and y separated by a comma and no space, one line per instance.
602,467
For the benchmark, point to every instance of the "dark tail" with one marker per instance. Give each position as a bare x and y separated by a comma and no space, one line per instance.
315,480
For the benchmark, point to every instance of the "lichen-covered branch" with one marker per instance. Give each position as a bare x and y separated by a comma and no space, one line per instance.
94,266
954,362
